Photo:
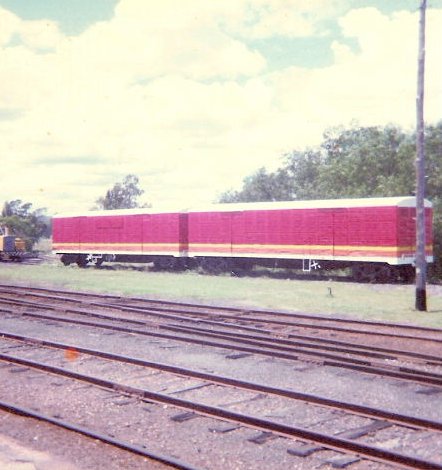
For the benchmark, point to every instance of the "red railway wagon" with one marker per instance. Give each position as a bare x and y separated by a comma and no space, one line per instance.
132,235
376,236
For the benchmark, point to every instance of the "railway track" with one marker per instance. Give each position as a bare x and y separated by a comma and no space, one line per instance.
206,393
343,441
405,364
246,344
134,449
221,313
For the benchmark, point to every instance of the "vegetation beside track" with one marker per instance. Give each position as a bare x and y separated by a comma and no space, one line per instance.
393,303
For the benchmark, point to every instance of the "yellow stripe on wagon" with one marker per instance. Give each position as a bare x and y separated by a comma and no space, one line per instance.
201,248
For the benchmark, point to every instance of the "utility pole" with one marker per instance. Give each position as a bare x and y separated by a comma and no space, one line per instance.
421,261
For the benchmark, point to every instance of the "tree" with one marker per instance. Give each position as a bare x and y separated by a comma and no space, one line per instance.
366,161
22,221
122,195
303,170
262,186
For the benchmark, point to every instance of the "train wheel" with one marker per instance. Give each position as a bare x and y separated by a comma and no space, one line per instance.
165,263
374,272
385,273
66,260
358,273
407,273
82,261
216,265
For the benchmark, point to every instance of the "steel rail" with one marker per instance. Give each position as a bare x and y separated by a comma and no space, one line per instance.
369,350
224,308
169,461
329,441
339,346
361,410
265,349
342,347
433,378
272,350
157,310
287,344
283,323
193,330
188,331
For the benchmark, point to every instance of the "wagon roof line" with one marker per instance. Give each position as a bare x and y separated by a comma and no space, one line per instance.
403,201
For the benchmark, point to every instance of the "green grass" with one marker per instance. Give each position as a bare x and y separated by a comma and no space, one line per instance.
393,303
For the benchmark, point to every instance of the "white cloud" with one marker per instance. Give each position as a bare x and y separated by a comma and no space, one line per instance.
150,39
171,91
43,35
9,23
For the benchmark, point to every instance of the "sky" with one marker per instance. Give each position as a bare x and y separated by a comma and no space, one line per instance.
194,95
